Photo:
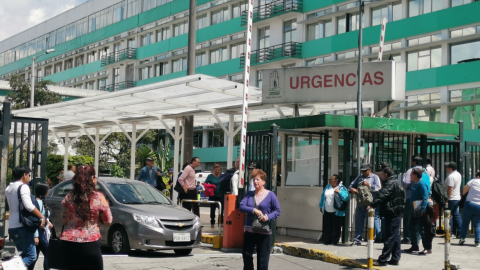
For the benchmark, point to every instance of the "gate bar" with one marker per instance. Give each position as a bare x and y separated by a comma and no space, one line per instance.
208,202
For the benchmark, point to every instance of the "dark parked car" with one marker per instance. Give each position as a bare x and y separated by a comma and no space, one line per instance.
143,218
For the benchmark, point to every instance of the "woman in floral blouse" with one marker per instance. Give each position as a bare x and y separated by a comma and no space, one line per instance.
82,210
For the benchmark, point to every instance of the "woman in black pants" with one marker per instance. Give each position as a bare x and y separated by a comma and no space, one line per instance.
82,211
214,179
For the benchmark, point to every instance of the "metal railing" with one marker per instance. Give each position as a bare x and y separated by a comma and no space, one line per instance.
128,53
208,202
289,49
272,9
118,86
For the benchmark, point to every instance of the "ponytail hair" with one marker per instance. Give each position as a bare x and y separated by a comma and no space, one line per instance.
41,190
83,190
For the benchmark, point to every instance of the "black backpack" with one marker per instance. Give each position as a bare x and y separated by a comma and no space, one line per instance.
226,182
439,194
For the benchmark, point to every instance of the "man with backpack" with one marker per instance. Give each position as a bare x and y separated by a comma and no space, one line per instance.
365,186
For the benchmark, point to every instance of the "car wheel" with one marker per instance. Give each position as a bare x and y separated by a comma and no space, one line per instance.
182,252
119,241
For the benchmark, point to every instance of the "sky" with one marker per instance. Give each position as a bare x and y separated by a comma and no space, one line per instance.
19,15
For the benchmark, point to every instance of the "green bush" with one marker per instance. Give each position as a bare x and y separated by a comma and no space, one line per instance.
55,164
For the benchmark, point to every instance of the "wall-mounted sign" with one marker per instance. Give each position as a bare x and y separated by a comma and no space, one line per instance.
381,81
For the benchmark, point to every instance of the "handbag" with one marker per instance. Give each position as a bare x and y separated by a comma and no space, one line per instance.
338,203
29,220
56,252
257,225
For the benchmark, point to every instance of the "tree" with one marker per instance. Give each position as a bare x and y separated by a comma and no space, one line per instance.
19,97
164,161
55,164
144,152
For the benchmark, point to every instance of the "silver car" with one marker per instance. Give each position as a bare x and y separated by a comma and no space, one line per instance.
143,218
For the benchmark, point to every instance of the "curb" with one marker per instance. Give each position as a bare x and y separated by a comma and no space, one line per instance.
315,254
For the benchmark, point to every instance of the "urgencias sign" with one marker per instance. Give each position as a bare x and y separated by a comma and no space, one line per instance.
381,81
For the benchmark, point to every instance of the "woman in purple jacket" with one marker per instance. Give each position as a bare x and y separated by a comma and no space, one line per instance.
267,210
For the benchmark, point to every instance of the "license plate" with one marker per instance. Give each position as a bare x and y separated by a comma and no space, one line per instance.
15,263
181,237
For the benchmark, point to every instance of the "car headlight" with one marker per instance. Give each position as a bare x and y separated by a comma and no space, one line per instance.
197,222
146,220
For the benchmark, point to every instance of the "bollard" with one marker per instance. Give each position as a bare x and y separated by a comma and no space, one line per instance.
370,235
447,239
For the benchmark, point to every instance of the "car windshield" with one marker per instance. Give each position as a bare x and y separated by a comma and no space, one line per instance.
133,193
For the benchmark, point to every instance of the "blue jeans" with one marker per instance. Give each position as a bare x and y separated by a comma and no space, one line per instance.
376,225
456,222
24,243
471,212
361,214
43,247
407,214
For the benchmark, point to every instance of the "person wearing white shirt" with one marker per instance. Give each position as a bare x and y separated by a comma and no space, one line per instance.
234,180
22,236
430,171
453,185
70,173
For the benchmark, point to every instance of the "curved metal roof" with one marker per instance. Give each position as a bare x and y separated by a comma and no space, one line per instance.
63,91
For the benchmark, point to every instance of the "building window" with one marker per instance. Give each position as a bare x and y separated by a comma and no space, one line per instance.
290,31
319,29
70,32
179,64
236,78
201,59
318,61
163,34
469,114
119,12
472,30
57,68
91,57
147,39
78,60
429,114
133,7
237,9
145,73
149,4
419,7
102,83
218,55
264,37
464,95
69,63
48,71
104,52
425,39
161,69
259,79
237,50
60,35
347,23
423,99
387,47
347,55
180,28
320,13
464,51
131,43
91,85
202,21
461,2
430,58
219,15
393,12
215,138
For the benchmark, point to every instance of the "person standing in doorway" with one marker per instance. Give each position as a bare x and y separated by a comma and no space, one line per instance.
373,182
70,173
392,199
148,174
453,185
187,180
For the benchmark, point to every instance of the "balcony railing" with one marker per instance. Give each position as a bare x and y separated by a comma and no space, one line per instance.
118,86
272,9
111,58
277,52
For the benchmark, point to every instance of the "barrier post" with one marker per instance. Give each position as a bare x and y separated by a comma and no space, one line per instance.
208,202
447,239
370,234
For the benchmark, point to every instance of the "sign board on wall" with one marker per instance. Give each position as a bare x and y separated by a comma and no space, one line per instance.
381,81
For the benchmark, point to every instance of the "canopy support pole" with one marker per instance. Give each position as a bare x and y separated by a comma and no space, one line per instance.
66,145
231,135
133,143
175,157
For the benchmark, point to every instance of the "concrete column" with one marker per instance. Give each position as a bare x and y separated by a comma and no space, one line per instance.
97,148
182,138
65,153
334,26
446,4
176,148
133,151
205,138
284,158
405,9
367,22
444,109
403,56
445,54
334,152
276,33
231,125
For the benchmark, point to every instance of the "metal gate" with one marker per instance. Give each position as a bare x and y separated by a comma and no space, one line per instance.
23,142
472,160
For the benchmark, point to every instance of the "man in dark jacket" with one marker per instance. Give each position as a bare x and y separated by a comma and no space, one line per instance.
392,199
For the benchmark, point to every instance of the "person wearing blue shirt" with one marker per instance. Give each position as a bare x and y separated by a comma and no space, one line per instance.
373,182
148,174
419,205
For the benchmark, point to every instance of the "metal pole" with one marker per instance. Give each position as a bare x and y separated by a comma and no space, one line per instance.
133,151
66,145
447,239
32,84
176,147
97,148
359,82
370,241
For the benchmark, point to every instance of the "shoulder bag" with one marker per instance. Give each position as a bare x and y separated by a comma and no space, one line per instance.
29,220
55,252
257,225
338,203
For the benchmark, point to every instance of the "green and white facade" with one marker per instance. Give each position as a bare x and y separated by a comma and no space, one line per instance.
112,45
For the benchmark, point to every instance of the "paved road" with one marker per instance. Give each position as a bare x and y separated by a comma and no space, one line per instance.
202,259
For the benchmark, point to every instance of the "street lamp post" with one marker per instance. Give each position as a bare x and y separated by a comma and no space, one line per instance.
32,78
359,82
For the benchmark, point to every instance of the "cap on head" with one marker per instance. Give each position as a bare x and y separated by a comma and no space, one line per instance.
254,165
171,170
150,159
365,167
452,165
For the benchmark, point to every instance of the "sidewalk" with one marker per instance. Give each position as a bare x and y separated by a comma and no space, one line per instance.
467,255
